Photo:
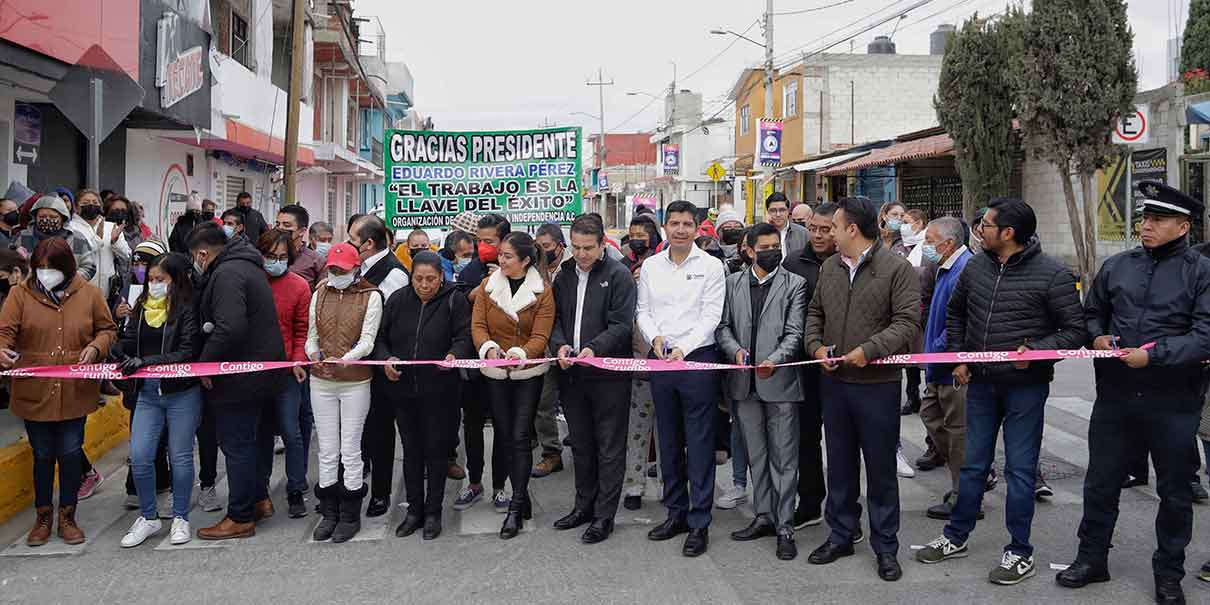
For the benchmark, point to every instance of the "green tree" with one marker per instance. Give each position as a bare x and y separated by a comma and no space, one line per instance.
1195,48
974,104
1073,76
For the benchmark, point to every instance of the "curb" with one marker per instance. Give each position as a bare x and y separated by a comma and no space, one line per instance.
107,427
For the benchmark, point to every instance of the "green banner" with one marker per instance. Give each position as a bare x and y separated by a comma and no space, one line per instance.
530,176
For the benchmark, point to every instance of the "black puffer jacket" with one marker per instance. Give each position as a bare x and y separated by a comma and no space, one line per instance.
806,265
182,342
1031,301
1161,296
239,324
412,329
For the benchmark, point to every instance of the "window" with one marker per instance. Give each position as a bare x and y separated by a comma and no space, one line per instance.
351,133
789,101
330,217
235,184
745,119
349,201
239,39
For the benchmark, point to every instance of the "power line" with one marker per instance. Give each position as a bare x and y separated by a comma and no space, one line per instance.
818,51
811,10
722,52
791,54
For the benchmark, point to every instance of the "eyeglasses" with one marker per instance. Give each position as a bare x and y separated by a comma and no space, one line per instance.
986,225
813,229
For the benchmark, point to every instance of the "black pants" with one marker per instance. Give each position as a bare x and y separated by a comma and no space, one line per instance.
427,426
378,442
811,488
514,405
476,409
912,390
1166,428
207,448
62,442
1136,452
245,434
598,416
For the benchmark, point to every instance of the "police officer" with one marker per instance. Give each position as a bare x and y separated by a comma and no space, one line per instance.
1158,293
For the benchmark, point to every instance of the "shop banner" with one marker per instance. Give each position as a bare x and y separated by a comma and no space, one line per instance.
768,143
1146,165
1111,207
672,158
530,176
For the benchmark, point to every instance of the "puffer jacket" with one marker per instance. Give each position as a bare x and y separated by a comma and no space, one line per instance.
1031,300
1160,295
416,330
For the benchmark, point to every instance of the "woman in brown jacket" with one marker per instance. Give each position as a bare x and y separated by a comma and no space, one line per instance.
55,317
512,319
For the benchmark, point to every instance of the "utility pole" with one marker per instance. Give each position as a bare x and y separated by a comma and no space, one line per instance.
601,84
293,101
767,171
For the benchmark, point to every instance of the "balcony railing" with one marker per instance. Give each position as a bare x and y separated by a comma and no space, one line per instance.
376,152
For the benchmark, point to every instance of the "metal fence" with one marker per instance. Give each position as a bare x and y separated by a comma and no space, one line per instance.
936,195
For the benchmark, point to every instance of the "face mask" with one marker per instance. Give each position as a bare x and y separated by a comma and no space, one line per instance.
5,286
639,246
552,256
905,230
157,290
12,218
207,216
893,224
460,264
488,254
50,278
768,259
340,282
276,268
229,230
728,250
322,248
117,216
730,236
800,223
140,273
929,253
90,212
48,226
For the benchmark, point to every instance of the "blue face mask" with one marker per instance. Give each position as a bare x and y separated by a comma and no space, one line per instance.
460,264
929,253
322,248
229,230
893,224
276,268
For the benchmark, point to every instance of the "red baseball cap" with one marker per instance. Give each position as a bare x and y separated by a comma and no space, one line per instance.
343,256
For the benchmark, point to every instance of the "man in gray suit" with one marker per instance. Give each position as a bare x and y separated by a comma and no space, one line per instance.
793,237
762,324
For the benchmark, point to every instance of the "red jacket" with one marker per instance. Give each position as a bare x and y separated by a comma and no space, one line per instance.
292,297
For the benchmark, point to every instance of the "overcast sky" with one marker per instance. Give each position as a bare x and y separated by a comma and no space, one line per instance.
492,64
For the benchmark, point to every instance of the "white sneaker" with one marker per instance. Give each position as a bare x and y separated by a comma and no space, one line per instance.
207,498
163,505
732,497
902,468
180,533
140,531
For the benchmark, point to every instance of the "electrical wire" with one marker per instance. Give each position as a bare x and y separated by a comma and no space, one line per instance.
793,52
812,10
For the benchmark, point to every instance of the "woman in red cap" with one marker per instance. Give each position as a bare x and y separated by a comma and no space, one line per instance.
344,317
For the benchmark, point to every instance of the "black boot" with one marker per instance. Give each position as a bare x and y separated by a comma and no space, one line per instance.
350,514
519,509
329,509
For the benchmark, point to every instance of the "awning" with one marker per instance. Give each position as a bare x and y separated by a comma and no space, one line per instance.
822,163
247,142
1198,113
919,149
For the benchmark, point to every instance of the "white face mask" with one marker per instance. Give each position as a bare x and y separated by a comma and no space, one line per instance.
50,278
340,282
157,290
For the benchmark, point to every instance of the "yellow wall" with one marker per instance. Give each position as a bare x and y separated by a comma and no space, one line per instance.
752,95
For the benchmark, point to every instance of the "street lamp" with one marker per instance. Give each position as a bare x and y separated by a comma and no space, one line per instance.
727,32
585,114
645,94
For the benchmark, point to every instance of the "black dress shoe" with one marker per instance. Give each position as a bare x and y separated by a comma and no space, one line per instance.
410,524
1080,574
829,552
432,527
697,542
632,502
597,532
668,530
378,506
513,524
573,520
1168,590
1132,481
888,567
786,549
759,528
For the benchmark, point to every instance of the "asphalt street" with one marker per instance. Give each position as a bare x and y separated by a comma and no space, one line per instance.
470,564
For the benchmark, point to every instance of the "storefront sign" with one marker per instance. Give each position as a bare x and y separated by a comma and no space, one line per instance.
178,73
174,61
1146,165
530,176
1111,206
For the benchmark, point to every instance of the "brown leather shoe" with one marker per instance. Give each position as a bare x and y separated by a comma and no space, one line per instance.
69,532
227,530
551,463
40,534
455,472
263,510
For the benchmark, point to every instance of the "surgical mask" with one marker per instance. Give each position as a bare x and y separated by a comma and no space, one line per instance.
48,226
276,268
157,290
12,218
929,253
50,278
639,246
730,236
768,259
229,230
90,212
728,249
488,253
906,231
322,249
894,224
140,273
341,282
460,264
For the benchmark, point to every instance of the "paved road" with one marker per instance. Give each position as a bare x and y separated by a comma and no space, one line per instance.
470,564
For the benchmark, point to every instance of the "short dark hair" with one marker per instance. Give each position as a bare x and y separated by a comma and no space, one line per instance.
374,230
242,195
759,230
1012,212
553,231
298,212
417,231
57,254
587,225
647,223
497,222
776,197
455,237
271,238
319,226
11,260
826,209
862,212
428,258
680,206
206,234
238,214
354,219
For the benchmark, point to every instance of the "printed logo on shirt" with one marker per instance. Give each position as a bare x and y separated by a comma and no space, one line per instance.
693,276
604,284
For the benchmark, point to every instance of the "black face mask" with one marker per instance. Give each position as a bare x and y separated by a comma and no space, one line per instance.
552,256
48,226
800,223
768,259
12,218
89,213
639,246
5,286
117,216
731,236
207,216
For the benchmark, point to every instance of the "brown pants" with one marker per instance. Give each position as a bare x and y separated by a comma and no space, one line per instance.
943,411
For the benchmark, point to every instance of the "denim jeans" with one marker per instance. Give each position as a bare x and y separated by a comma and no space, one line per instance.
181,413
59,441
287,412
739,449
1021,409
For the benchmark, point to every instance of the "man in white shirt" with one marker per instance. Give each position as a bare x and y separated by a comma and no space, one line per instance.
793,237
680,303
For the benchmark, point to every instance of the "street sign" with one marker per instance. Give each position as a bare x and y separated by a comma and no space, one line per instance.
768,142
603,182
716,172
672,158
27,133
1134,128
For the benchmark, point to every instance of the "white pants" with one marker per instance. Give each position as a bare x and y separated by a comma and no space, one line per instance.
340,410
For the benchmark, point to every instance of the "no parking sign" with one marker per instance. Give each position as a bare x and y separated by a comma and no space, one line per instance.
1134,128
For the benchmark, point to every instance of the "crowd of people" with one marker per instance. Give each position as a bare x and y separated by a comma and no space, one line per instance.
841,283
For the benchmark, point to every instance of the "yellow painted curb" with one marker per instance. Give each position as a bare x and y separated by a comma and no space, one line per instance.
107,427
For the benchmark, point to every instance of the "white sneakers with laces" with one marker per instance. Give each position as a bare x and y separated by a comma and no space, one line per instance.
731,497
142,529
902,468
180,533
1013,568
